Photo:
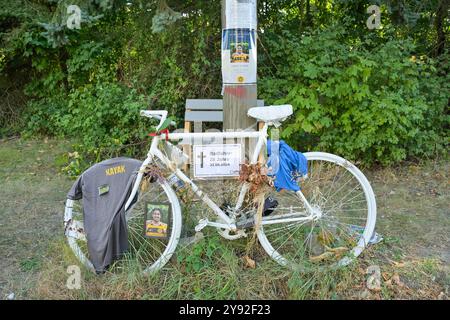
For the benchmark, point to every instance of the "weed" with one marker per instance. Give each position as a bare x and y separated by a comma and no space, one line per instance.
31,264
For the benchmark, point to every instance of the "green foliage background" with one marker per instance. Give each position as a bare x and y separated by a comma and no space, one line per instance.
377,96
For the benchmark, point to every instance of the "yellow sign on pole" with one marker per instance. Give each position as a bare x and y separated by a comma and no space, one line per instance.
239,62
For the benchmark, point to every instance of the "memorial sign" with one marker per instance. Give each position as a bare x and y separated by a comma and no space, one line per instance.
217,160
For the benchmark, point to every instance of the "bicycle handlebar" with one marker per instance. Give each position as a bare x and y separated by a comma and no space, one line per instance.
159,115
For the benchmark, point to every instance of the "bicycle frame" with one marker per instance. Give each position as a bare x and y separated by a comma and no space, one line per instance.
229,223
236,224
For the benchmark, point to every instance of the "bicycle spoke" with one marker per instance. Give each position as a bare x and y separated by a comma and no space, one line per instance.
142,251
338,199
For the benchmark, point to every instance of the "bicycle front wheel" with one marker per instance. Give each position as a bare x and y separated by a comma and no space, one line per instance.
344,209
151,245
148,248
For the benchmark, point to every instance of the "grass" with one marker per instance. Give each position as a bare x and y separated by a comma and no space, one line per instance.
31,196
222,276
413,217
30,264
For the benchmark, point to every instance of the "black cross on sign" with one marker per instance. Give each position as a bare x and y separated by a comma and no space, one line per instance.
201,156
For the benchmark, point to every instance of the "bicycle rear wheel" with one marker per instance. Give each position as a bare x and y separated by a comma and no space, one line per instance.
147,254
345,205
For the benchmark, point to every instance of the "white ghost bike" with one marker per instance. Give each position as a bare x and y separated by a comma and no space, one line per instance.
327,223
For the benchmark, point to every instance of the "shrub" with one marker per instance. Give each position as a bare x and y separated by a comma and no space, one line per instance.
364,103
103,116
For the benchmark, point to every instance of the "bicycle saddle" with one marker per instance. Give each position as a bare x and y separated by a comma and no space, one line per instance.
271,113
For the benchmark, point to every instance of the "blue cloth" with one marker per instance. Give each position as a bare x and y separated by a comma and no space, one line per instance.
287,166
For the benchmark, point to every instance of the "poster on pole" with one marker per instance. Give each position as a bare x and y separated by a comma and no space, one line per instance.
239,56
241,14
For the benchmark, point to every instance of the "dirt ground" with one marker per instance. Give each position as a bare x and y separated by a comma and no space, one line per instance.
413,217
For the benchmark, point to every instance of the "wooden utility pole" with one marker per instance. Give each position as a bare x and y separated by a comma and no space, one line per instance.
237,98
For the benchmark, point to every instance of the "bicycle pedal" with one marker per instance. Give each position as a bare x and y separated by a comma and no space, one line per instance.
201,225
